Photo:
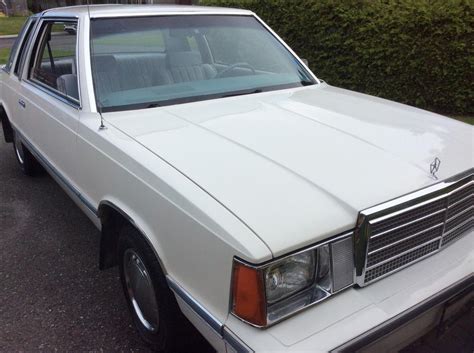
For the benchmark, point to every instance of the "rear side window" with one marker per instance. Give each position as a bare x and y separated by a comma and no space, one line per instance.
54,64
16,45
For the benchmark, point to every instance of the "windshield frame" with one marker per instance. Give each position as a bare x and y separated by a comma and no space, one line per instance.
197,98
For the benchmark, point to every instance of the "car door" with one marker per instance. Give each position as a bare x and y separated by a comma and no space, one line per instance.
11,88
49,96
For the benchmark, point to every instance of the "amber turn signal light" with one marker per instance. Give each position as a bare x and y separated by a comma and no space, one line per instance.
249,294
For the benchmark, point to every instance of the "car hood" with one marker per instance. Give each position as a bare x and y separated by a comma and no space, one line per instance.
297,165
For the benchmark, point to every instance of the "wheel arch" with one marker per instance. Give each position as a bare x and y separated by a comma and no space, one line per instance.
6,126
112,217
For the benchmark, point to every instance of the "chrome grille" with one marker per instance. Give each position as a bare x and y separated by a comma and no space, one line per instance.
400,261
378,241
394,235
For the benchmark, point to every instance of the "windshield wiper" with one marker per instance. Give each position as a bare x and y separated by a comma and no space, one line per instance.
240,93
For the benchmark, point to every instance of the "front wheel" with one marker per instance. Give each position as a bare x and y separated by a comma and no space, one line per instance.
28,164
154,309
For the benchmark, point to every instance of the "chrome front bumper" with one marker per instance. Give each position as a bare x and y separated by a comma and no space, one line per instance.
416,321
361,317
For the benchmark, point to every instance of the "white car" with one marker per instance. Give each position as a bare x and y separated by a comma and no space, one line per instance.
234,188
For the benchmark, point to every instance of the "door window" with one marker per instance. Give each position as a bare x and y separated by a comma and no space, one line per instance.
54,66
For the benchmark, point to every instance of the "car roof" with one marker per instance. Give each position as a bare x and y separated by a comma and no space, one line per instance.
139,10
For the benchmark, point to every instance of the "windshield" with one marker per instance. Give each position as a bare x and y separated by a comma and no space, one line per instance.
144,62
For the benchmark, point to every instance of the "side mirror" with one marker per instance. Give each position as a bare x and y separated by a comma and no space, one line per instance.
305,61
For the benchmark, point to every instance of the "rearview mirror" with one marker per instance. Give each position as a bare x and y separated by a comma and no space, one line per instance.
305,61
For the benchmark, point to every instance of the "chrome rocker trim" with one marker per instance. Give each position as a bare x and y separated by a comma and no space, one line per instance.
204,314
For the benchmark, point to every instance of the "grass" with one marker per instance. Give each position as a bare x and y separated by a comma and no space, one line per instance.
11,25
4,54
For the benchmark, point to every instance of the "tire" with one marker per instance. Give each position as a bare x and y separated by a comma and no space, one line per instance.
28,164
152,305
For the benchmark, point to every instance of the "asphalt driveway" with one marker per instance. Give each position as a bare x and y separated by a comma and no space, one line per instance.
52,295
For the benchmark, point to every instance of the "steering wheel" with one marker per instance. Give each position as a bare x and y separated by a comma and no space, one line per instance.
234,66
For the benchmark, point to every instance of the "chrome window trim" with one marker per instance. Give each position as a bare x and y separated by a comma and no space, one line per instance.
30,40
20,37
172,13
196,13
279,39
38,35
54,93
407,202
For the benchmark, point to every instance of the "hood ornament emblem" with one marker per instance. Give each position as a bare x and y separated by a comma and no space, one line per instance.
434,167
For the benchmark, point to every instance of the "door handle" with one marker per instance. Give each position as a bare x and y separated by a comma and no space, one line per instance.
22,103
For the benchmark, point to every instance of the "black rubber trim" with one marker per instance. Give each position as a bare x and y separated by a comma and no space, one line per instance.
464,286
7,129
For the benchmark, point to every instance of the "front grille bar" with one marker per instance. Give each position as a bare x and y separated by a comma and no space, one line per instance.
405,239
407,224
403,253
393,235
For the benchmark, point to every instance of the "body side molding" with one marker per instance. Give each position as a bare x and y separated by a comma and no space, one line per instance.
205,315
59,176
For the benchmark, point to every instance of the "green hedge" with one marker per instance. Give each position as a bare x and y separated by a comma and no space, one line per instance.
418,52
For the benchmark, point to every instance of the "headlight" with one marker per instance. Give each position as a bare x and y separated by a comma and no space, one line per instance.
289,276
263,295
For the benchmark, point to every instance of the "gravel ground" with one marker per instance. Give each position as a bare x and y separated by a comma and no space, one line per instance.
52,295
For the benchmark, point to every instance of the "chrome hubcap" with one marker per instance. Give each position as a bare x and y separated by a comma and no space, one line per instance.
18,149
140,290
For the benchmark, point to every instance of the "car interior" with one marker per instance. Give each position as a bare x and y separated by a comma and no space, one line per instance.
125,71
150,59
179,63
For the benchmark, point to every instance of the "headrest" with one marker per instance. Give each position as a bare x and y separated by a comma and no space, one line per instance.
184,58
67,84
